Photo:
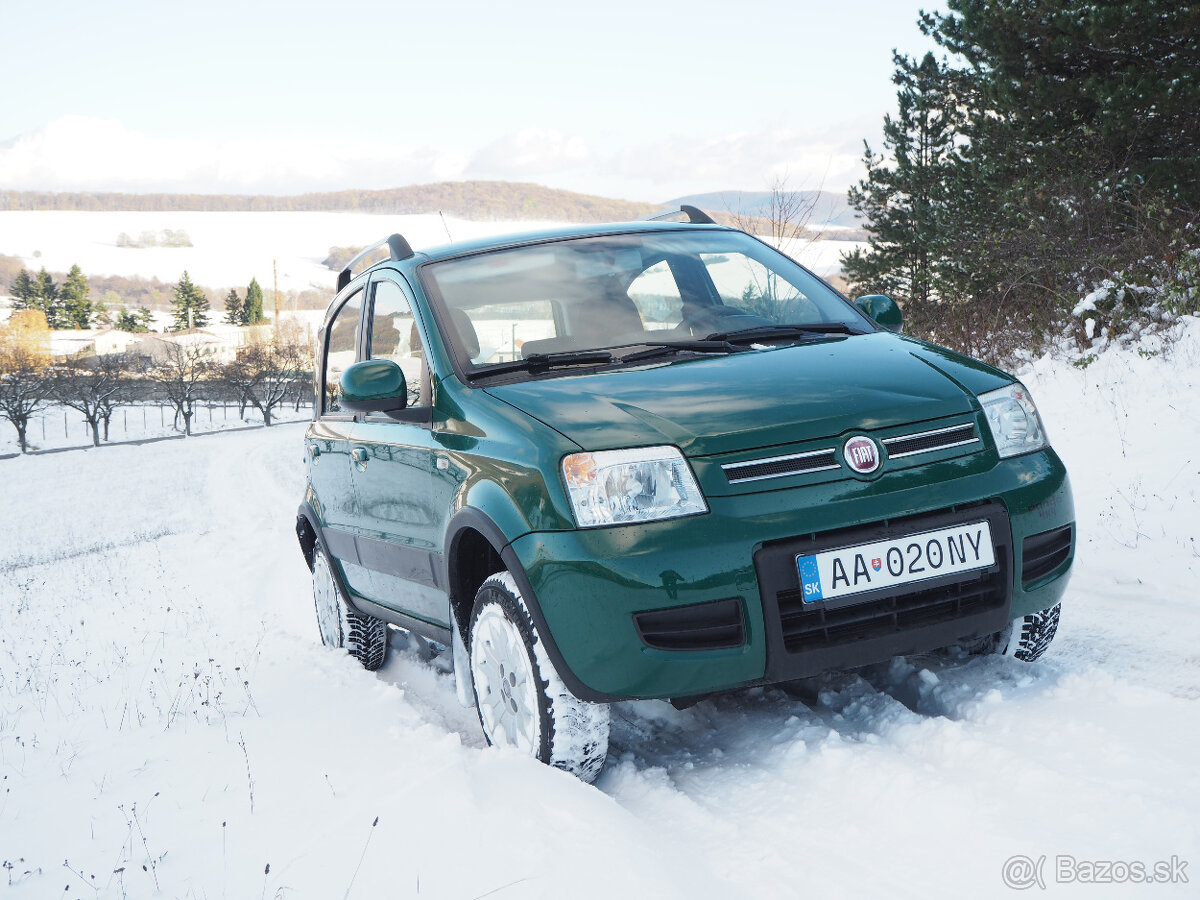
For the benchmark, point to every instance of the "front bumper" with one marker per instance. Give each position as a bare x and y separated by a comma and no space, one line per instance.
590,584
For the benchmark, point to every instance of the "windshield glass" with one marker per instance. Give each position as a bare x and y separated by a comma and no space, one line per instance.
623,290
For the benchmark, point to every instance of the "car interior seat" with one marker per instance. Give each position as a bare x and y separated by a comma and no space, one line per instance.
467,335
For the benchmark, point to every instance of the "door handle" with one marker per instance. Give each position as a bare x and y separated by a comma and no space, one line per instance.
315,452
360,457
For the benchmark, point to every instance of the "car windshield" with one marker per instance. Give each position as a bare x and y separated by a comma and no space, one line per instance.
628,290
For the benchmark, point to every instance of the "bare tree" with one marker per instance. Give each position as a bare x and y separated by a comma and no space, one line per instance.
93,388
265,372
24,371
182,377
24,388
788,215
786,221
302,388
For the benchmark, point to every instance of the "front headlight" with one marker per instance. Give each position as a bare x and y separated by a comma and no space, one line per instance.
1014,421
614,487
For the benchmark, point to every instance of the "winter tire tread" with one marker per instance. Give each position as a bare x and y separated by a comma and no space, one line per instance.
573,733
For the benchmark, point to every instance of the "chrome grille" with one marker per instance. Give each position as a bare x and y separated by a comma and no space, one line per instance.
826,460
778,466
927,441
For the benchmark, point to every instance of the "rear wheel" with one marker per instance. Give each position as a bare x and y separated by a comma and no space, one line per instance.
363,637
521,699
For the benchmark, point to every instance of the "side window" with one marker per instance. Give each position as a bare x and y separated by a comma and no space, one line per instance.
394,336
341,349
657,297
748,285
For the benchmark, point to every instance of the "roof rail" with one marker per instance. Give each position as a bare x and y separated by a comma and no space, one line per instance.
397,246
695,216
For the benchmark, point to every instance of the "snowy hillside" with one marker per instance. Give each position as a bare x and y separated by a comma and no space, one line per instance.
230,248
171,726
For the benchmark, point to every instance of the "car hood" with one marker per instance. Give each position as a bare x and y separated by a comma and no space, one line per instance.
741,401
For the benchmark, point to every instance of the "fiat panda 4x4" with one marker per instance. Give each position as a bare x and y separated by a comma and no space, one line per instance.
661,460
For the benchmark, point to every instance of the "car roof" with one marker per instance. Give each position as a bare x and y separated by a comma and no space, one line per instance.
497,242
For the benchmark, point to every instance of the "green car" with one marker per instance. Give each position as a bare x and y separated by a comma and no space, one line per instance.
661,460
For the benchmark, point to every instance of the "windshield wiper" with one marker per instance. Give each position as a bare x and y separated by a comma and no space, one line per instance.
774,332
656,349
538,361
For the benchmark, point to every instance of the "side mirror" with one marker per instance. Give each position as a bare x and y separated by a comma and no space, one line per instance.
882,310
374,385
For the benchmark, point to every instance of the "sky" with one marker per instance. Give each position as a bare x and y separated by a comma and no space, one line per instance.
640,100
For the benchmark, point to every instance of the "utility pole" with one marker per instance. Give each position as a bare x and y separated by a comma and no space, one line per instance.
275,270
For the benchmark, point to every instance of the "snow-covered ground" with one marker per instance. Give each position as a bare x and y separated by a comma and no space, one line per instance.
170,725
230,248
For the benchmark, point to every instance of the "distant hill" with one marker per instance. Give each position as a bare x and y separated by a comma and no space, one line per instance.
830,208
478,200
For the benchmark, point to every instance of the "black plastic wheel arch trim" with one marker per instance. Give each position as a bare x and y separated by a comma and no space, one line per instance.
307,512
474,519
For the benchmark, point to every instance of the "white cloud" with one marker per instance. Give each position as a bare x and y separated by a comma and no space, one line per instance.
746,160
81,153
530,152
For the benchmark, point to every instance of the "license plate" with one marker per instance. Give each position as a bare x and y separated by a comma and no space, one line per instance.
899,560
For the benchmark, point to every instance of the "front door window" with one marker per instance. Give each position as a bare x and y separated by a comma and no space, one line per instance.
341,350
395,336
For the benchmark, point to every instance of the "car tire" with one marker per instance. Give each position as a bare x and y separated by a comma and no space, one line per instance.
363,637
1028,637
519,695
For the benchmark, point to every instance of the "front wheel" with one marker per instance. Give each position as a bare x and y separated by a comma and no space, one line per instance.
521,699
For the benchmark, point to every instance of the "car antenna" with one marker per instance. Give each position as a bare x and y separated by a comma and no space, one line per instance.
447,227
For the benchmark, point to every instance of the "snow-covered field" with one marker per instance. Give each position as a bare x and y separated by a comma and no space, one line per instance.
170,725
231,248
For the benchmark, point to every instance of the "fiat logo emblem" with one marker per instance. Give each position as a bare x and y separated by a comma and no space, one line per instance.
861,454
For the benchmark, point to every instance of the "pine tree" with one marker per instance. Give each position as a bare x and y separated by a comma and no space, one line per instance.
24,290
1108,85
75,300
44,288
126,321
906,201
234,308
47,299
190,306
252,311
133,321
1072,154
